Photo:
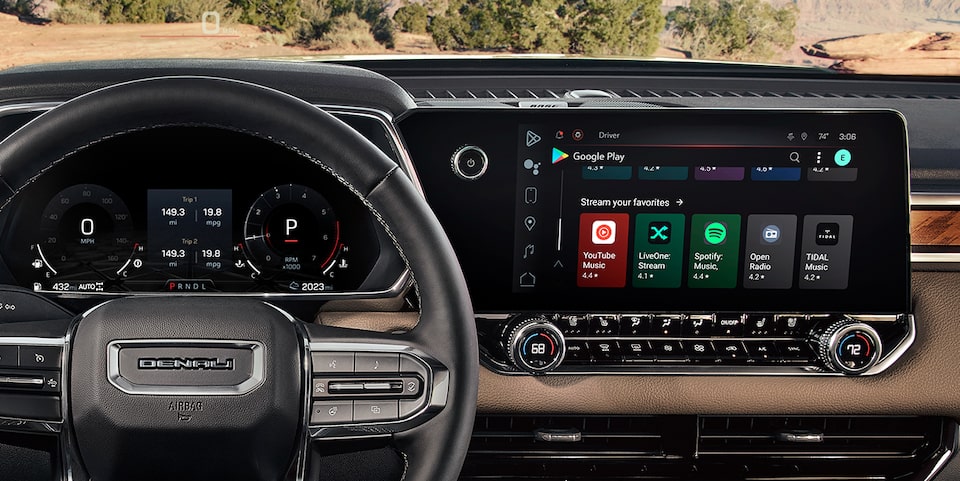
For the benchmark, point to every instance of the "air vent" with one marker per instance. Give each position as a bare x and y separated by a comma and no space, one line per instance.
563,447
735,448
576,436
801,436
651,94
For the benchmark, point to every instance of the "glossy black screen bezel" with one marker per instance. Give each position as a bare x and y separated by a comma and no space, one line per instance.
479,215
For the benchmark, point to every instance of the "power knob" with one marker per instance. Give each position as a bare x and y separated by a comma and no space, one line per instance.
850,347
534,344
469,162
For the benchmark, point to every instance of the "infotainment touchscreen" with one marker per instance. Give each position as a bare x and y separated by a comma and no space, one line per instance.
679,209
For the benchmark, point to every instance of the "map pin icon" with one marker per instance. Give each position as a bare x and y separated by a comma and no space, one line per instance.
529,222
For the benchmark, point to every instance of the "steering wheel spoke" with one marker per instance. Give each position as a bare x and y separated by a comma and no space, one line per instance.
371,384
32,338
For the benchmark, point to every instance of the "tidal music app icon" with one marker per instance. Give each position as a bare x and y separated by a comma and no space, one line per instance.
603,232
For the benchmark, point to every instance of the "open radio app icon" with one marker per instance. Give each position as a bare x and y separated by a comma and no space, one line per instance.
604,232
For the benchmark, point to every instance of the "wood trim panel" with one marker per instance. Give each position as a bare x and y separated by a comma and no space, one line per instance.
935,227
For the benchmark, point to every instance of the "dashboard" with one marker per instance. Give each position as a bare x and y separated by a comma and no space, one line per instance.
704,270
212,220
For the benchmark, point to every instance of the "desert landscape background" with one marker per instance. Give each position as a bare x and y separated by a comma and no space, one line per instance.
862,36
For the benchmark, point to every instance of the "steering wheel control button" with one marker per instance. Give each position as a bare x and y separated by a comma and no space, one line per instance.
331,412
371,411
850,347
333,362
40,381
535,345
469,162
377,362
409,407
9,356
40,357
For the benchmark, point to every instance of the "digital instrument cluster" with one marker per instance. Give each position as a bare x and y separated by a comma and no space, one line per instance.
223,217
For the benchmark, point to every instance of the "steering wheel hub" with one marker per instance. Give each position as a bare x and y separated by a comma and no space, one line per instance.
197,389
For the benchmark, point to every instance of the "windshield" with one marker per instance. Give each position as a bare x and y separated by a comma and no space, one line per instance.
900,37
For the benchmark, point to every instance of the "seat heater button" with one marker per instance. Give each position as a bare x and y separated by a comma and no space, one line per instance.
366,411
378,362
331,412
333,362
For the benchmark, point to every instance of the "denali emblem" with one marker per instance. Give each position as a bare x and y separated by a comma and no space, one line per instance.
190,363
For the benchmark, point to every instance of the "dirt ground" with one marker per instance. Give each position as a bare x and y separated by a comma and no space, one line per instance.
23,44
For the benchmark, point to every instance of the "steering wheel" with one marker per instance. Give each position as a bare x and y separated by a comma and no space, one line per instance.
201,388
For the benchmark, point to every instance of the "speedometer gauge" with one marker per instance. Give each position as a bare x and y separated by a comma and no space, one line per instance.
292,236
85,230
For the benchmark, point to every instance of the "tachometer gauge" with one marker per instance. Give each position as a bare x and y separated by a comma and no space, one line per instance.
292,236
85,231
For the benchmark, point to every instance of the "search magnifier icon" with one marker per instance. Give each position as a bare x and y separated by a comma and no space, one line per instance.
795,157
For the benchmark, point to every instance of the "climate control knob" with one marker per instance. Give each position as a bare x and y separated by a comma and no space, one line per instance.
534,344
850,347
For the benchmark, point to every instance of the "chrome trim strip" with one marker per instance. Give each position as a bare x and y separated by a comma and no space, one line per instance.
934,257
437,387
29,425
939,465
302,460
29,381
930,199
33,341
125,385
70,465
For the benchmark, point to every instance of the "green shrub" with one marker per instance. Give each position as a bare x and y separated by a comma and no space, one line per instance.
592,27
74,13
411,18
733,29
346,31
323,23
277,15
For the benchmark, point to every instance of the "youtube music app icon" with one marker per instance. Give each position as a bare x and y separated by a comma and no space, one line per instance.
602,260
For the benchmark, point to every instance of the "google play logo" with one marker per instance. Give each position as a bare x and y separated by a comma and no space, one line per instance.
559,155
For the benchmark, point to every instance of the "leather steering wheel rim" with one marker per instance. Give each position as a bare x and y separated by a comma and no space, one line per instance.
434,450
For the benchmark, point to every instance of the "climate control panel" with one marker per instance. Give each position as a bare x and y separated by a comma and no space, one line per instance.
695,343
